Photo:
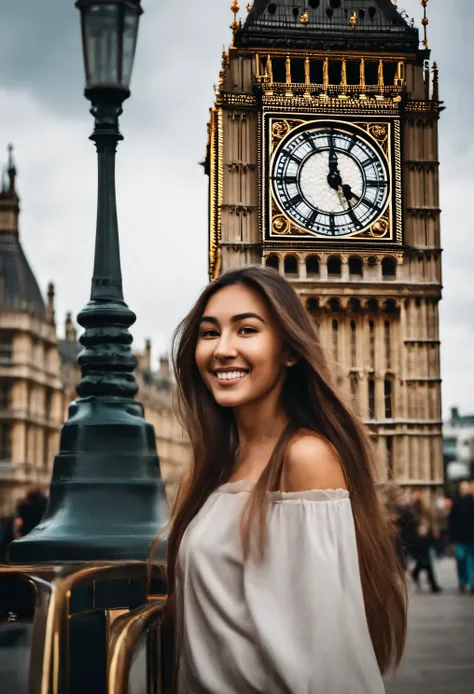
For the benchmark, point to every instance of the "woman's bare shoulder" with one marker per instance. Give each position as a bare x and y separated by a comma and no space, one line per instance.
312,463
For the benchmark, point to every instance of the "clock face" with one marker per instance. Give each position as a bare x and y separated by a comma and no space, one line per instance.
331,180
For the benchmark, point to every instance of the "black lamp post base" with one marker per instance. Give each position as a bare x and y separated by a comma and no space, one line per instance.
107,499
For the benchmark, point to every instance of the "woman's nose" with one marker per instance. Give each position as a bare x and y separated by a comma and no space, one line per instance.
225,348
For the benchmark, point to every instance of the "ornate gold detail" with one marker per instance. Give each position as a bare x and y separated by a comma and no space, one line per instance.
378,131
280,225
304,19
235,24
425,21
240,167
231,99
280,128
381,227
354,20
397,161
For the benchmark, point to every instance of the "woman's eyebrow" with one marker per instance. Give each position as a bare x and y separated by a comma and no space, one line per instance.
234,319
244,316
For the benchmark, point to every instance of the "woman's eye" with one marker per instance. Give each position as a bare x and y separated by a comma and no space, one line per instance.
209,333
247,330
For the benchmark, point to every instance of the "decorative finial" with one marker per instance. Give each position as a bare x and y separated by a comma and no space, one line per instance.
304,19
435,96
11,170
249,6
354,20
235,26
11,163
425,21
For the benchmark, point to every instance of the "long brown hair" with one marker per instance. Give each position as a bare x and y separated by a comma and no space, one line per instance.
311,402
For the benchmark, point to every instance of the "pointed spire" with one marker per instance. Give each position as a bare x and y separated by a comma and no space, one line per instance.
50,312
11,171
435,95
70,331
425,21
235,9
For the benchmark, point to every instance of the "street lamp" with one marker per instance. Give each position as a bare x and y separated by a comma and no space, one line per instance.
109,37
107,497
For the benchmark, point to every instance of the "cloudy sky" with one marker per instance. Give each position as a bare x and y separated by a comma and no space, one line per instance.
162,191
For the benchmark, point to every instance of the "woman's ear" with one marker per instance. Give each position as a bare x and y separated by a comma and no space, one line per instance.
290,359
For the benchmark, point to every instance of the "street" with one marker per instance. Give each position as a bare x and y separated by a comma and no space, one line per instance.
439,658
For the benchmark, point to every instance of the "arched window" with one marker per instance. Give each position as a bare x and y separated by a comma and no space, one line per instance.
312,266
273,262
389,450
335,340
354,305
371,398
334,267
388,346
334,305
5,394
388,399
291,265
372,343
312,305
355,392
353,344
355,266
389,270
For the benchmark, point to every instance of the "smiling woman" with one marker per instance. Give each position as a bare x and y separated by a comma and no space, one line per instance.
279,556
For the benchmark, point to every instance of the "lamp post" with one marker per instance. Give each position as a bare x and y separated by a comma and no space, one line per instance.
107,497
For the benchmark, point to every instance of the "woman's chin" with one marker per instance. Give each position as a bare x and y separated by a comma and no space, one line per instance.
231,399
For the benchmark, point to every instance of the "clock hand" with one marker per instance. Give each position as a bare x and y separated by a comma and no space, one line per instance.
342,198
349,194
334,177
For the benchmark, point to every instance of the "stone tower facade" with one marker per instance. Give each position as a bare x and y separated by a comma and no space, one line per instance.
323,164
31,408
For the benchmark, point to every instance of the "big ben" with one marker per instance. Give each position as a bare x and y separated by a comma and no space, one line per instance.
323,164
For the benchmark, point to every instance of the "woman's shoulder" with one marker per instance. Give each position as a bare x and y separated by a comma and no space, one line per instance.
312,462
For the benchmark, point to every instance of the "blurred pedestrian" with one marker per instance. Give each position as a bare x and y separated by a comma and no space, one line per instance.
402,518
424,540
30,511
461,534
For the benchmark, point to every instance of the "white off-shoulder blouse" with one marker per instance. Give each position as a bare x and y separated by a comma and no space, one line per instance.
294,624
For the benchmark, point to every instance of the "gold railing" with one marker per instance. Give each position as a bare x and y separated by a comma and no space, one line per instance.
127,629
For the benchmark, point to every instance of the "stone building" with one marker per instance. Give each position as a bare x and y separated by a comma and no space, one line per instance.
323,164
39,374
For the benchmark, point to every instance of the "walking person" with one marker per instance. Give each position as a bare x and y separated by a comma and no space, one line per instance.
461,534
281,563
423,542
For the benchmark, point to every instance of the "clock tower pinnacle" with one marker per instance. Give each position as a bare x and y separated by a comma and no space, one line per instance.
323,164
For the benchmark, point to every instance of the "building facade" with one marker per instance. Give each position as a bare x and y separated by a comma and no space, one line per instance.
323,164
39,374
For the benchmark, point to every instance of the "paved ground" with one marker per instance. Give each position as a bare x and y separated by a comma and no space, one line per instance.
439,657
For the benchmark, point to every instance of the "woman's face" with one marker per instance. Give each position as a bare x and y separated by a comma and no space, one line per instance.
239,352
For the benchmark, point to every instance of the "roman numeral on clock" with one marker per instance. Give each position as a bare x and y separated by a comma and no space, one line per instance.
354,219
310,140
373,183
293,157
293,202
313,217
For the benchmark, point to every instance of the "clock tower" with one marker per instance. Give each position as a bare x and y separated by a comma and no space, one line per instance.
323,164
